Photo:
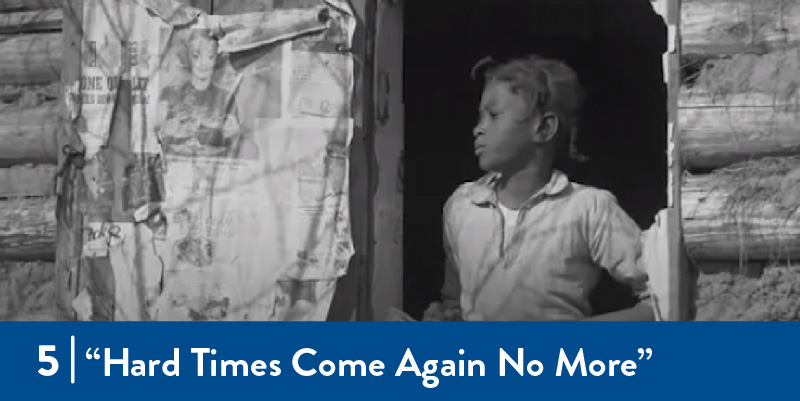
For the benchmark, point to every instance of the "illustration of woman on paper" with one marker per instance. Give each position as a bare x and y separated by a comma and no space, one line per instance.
197,117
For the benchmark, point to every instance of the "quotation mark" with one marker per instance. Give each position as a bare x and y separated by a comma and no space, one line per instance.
642,352
89,354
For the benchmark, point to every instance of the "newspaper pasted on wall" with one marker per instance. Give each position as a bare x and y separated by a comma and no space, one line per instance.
218,168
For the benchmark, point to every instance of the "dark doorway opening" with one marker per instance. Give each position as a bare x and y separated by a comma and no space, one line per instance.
616,48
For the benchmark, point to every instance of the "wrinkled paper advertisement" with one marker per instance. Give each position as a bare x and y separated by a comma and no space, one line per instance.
218,171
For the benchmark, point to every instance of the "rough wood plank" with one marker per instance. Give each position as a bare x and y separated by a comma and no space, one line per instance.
31,21
29,134
24,181
680,279
70,191
387,284
28,229
682,274
26,5
365,273
726,27
720,226
717,131
30,58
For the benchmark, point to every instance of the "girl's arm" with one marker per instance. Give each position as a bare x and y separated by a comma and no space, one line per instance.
615,243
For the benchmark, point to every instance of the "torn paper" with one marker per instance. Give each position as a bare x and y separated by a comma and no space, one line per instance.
172,12
229,162
273,27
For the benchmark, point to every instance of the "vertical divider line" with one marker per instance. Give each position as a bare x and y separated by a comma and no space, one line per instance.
72,359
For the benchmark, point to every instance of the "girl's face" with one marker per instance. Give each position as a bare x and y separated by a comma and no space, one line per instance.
504,133
202,59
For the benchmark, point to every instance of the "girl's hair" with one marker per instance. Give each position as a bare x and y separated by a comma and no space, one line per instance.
546,85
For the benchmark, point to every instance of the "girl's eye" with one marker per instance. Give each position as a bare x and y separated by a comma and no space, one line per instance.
483,115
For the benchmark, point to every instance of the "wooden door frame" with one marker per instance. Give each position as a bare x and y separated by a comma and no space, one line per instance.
681,277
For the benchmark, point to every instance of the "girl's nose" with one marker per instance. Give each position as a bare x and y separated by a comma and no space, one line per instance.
478,131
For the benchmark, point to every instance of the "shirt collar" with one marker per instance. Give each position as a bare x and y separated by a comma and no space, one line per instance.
483,191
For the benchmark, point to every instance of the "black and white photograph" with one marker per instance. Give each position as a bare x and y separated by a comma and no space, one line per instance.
399,160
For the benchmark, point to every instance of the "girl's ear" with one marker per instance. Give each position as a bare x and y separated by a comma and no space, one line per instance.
546,129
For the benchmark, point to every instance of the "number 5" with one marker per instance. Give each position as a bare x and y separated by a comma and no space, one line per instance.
44,358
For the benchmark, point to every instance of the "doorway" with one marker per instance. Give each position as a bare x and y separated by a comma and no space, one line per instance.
616,48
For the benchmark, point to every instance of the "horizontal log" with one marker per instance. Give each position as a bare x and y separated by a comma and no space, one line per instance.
21,181
30,59
31,21
26,5
717,131
29,134
28,229
772,73
27,291
726,27
29,95
759,222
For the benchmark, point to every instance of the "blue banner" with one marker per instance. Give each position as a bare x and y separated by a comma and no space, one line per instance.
328,361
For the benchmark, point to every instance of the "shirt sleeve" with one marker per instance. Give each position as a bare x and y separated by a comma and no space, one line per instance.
615,241
451,290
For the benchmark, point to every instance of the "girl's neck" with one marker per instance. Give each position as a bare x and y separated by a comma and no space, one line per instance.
517,187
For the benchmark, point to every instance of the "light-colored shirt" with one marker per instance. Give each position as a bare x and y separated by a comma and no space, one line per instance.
510,217
564,235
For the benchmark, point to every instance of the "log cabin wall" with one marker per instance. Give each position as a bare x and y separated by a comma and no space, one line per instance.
740,138
30,70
